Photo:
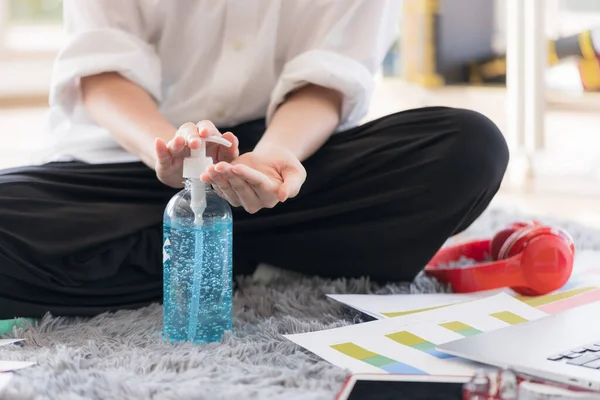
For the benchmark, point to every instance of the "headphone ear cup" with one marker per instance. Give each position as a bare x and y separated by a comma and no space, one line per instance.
517,241
568,239
498,240
546,262
502,236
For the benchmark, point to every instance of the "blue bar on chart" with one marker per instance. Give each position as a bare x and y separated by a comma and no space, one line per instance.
418,343
461,328
376,360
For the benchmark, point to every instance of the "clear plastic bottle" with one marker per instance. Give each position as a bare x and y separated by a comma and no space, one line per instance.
197,258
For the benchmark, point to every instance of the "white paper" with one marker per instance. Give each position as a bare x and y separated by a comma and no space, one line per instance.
378,305
5,342
5,379
8,366
587,260
372,336
586,269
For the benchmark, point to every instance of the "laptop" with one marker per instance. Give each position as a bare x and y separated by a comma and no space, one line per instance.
563,347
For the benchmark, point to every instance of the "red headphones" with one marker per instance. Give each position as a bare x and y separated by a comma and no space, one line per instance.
528,257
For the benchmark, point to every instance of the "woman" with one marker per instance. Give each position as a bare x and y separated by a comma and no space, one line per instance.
288,82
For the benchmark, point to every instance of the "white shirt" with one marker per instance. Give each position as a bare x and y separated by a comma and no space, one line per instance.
228,61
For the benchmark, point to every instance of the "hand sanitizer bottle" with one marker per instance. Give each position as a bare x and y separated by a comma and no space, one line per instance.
197,257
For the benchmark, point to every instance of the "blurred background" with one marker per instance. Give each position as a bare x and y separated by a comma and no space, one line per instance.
450,52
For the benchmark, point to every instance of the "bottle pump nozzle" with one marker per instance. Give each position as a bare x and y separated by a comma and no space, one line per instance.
194,166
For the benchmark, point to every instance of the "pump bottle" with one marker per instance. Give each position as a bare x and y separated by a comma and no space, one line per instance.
197,257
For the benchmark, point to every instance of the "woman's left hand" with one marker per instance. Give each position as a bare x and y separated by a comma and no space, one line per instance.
258,179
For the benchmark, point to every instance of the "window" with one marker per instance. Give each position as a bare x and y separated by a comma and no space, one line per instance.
34,12
30,26
581,5
573,16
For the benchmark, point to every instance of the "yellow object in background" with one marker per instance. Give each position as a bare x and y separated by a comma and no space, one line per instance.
579,46
589,72
439,39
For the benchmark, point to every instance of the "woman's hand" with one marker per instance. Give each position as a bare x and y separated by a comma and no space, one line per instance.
259,179
170,156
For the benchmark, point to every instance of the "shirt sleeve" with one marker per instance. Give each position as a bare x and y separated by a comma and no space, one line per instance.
342,47
103,36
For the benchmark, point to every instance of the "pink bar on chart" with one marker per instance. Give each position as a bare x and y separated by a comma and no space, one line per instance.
571,302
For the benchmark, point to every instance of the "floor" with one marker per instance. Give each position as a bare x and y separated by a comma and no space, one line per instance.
570,188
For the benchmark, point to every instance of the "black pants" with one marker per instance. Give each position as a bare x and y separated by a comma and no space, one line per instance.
379,201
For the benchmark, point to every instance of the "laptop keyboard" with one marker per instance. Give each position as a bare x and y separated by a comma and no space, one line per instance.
585,356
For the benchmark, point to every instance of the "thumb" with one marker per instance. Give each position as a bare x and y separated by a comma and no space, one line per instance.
293,179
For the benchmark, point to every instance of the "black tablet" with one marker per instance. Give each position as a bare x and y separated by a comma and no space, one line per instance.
405,387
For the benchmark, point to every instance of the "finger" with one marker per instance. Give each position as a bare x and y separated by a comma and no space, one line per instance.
177,147
206,128
255,178
188,131
194,143
248,197
217,190
220,193
163,156
228,154
293,179
187,134
205,177
265,187
224,189
224,186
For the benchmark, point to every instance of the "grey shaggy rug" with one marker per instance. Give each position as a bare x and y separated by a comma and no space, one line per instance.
121,356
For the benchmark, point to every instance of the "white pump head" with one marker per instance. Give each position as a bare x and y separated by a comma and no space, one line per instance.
194,166
197,163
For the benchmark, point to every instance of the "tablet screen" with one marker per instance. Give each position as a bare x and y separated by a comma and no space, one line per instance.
406,390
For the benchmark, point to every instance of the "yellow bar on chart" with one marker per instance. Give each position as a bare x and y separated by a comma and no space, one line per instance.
406,338
461,328
354,351
509,318
551,298
456,326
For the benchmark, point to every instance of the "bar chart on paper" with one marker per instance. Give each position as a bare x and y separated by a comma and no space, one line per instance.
407,345
376,360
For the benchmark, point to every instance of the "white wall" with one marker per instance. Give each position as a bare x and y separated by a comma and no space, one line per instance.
22,77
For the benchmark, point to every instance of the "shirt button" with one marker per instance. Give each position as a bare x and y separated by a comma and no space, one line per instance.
238,45
221,113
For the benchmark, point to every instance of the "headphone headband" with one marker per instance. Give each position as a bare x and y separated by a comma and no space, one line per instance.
531,258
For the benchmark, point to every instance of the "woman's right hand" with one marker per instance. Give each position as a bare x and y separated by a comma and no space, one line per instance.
170,156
